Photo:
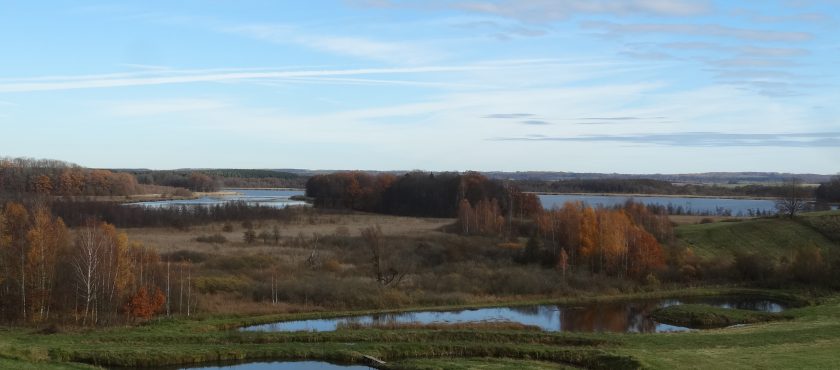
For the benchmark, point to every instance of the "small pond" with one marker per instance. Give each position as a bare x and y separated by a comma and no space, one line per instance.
276,365
276,198
616,316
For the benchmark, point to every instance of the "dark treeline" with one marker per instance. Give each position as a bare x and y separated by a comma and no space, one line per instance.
22,176
416,193
649,186
77,213
215,179
829,191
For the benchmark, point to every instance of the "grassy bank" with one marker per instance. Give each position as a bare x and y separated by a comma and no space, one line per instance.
813,333
702,316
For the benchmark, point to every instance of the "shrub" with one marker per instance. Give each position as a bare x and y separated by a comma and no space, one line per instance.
181,192
184,255
265,236
215,239
651,280
332,265
755,266
215,284
249,236
235,263
808,265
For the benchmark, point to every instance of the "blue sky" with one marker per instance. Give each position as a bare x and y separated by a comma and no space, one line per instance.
633,86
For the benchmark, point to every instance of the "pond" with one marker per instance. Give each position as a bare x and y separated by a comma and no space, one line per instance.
617,316
277,198
278,365
710,206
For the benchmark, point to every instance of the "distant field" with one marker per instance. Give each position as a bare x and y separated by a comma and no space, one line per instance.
771,236
170,239
692,219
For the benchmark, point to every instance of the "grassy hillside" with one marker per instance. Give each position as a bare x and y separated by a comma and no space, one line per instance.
809,341
770,236
826,223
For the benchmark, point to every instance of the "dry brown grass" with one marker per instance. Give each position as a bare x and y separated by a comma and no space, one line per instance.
169,239
690,219
226,303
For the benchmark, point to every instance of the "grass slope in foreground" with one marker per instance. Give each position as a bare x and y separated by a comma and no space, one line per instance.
810,340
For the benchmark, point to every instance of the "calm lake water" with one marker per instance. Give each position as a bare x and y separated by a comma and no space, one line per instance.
282,365
277,198
620,316
734,207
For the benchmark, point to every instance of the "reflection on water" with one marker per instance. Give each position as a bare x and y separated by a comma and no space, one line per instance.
276,198
284,365
620,316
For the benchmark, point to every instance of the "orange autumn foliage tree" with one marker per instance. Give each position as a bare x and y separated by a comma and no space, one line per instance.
47,237
610,241
143,304
44,276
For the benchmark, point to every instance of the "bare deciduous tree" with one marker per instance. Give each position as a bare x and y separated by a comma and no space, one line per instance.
314,259
86,264
373,236
793,200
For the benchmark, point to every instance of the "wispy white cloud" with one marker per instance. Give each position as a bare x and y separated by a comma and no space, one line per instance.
704,139
709,30
404,52
499,30
377,82
550,10
120,80
174,76
159,106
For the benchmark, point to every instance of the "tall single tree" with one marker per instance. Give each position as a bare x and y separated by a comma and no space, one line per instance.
47,237
794,200
16,227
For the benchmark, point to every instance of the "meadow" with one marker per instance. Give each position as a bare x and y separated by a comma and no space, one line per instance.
448,271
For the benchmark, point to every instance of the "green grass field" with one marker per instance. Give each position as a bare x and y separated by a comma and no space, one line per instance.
770,236
703,316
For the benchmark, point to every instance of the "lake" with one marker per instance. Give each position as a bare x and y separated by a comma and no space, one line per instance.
617,316
712,206
277,198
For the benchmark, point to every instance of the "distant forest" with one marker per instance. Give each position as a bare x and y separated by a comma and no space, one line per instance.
416,193
649,186
829,191
20,176
215,179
